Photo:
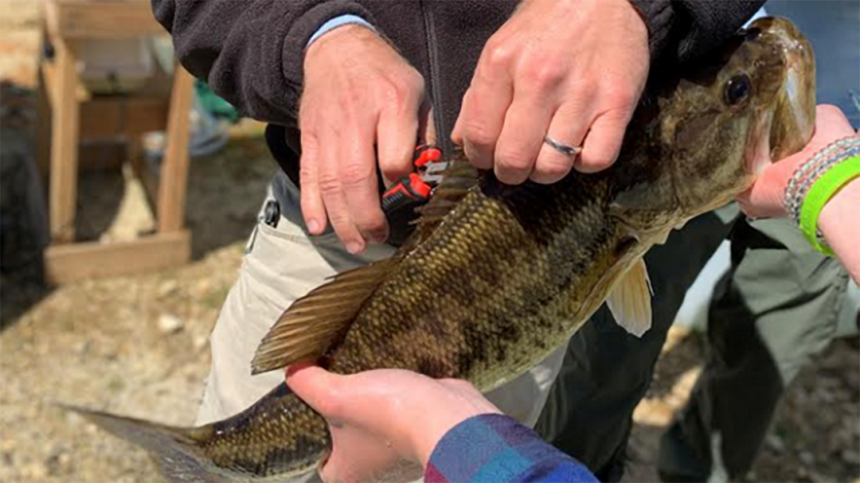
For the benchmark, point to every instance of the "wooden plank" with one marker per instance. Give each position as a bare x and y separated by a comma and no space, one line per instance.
111,117
99,19
49,76
68,263
64,145
174,168
43,130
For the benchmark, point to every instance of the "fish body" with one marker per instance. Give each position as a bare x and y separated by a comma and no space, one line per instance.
496,277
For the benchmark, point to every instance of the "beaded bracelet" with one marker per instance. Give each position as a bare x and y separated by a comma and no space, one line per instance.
806,175
816,181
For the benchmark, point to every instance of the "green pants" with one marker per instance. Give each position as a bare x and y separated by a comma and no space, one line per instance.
777,306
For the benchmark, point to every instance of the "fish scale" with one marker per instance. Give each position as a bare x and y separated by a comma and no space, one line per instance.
497,277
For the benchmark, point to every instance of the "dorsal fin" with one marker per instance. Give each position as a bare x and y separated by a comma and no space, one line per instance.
309,327
458,179
313,323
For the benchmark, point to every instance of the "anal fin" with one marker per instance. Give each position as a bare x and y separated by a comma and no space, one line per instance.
630,300
309,327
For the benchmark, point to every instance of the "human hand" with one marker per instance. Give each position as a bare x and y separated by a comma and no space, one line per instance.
358,92
764,198
380,419
572,70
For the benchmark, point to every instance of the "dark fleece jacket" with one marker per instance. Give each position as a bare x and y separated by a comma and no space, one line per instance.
251,51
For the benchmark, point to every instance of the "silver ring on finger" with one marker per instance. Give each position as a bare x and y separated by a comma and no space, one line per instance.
570,151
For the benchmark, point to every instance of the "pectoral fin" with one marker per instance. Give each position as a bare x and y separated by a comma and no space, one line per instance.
630,301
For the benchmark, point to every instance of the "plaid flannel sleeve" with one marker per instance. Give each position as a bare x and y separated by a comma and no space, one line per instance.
494,448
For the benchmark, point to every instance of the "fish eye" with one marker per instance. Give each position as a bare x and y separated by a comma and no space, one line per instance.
752,33
737,89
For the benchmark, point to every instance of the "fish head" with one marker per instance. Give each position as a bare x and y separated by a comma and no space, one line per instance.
731,116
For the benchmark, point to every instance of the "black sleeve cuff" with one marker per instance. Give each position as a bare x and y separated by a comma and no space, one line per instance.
658,16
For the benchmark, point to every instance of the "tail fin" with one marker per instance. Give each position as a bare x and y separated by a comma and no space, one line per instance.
278,437
177,451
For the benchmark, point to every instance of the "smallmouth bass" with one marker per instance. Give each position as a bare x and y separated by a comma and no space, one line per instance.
496,277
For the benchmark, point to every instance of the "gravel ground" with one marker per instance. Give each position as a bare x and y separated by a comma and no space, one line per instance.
139,345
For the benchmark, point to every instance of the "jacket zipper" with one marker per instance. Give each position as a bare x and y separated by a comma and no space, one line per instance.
434,82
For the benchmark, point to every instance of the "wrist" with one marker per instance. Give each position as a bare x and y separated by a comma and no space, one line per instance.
819,195
345,34
339,22
840,209
656,16
816,182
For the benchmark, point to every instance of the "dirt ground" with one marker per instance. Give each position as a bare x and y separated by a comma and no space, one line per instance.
139,345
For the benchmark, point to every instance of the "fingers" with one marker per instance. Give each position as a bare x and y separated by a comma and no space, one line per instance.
313,208
764,198
748,204
459,386
427,126
396,135
356,118
521,138
394,147
457,132
339,175
317,387
503,128
334,181
483,115
830,125
342,399
602,144
568,127
555,56
831,118
338,179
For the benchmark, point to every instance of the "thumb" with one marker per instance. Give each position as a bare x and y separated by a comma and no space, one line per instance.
315,386
764,198
602,144
457,132
427,126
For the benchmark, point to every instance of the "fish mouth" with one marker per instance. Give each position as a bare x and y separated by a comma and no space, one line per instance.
792,121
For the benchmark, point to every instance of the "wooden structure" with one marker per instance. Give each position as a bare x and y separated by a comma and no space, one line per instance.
69,115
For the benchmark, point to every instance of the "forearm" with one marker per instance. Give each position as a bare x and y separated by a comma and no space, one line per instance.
681,30
839,222
250,51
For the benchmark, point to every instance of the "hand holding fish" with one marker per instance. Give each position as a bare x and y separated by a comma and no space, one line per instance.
383,418
837,219
764,198
570,72
517,270
358,92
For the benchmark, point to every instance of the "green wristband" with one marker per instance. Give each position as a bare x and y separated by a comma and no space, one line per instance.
820,193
